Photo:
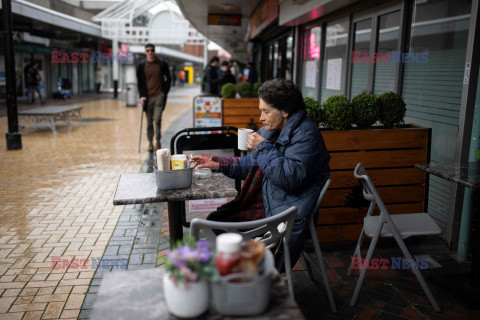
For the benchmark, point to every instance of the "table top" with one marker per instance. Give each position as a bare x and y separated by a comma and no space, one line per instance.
141,188
467,175
49,110
139,295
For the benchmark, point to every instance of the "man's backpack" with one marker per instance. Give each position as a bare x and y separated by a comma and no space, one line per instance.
30,77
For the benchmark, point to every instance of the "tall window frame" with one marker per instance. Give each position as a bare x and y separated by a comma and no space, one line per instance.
357,14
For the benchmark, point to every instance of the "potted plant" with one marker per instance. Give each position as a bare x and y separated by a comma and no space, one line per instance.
338,112
228,91
189,265
389,152
365,110
391,109
241,112
314,110
244,89
255,88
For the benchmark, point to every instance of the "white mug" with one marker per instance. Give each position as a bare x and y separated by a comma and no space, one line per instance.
243,134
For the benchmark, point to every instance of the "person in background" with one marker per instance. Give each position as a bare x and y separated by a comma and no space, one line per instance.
32,81
181,77
252,74
211,76
288,73
153,81
99,79
235,70
288,165
224,76
174,75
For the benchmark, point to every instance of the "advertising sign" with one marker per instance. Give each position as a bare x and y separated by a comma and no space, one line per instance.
207,111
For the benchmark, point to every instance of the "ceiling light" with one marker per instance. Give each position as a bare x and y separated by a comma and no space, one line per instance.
226,6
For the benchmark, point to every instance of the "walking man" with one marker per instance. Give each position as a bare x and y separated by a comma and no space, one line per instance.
32,81
153,80
211,76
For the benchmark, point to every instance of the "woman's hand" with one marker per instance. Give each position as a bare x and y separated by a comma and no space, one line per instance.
204,162
253,140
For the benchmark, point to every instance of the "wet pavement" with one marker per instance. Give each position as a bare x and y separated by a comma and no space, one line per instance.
56,203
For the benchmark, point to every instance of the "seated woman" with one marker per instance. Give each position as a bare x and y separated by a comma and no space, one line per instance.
288,165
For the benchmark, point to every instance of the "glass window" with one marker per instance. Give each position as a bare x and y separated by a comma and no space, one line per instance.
361,50
309,66
385,68
333,74
432,82
275,60
289,57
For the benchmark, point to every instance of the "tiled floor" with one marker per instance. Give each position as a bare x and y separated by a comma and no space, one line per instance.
56,202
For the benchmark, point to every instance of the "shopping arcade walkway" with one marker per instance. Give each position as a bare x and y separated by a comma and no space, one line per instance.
56,201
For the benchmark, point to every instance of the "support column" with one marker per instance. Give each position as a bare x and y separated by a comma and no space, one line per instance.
14,138
460,215
115,67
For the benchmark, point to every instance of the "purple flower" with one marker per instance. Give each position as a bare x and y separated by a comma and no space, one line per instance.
203,255
186,253
203,244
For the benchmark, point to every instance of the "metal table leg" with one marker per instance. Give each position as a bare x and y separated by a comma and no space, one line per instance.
175,212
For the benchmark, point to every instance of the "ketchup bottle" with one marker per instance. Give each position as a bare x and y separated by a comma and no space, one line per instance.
228,252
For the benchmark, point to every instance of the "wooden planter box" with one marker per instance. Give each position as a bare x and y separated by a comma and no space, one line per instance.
389,156
240,112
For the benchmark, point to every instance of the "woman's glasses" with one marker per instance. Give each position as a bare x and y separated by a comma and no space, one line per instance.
149,50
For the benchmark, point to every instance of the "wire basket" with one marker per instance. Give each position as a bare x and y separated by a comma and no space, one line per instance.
173,179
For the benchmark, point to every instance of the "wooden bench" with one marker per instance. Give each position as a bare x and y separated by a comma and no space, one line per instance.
46,116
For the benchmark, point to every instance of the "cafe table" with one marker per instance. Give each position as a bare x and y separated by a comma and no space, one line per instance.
141,188
138,295
467,175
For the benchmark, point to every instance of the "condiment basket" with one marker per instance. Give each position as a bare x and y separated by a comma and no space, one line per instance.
244,298
173,179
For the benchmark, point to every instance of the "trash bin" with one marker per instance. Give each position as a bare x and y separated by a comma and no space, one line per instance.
131,94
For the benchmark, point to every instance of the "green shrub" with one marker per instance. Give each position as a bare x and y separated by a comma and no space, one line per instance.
314,110
338,112
229,91
255,88
391,109
365,110
244,89
478,154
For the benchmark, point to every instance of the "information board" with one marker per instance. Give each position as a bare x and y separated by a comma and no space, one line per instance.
207,111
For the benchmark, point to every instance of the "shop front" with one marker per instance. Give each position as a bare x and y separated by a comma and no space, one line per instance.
415,48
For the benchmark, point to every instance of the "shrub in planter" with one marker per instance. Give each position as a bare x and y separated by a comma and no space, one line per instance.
314,110
338,112
255,88
244,89
229,91
391,109
365,110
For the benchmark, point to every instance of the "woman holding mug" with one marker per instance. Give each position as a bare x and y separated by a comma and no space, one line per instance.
288,165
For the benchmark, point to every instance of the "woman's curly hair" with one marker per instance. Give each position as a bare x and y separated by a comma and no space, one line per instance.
281,94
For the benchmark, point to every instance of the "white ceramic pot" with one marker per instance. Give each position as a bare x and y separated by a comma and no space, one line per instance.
185,302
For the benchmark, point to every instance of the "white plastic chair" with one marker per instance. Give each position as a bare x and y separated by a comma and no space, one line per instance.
400,226
318,251
202,229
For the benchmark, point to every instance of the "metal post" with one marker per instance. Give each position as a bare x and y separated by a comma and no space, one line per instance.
14,138
115,67
457,215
